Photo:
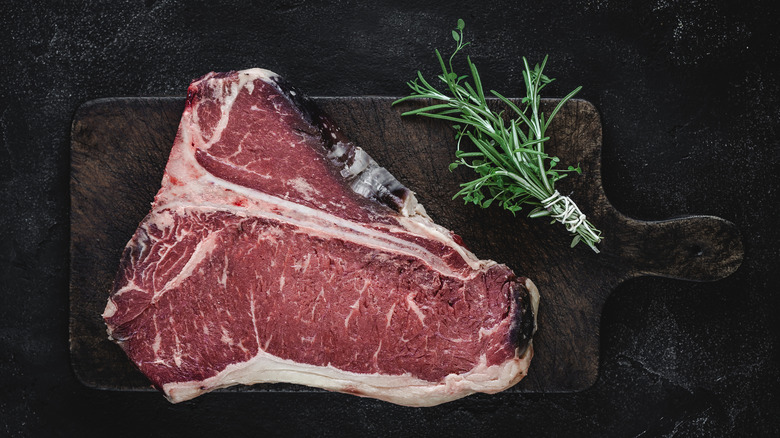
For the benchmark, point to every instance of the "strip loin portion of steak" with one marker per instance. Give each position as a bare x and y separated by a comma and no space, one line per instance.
278,251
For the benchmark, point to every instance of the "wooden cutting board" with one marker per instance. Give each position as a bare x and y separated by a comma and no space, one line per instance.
120,147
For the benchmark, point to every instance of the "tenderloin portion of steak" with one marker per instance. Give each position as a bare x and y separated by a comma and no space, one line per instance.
278,251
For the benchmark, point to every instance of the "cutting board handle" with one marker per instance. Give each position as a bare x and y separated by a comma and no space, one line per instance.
698,248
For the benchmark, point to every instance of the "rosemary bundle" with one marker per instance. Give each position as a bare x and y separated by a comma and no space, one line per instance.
512,167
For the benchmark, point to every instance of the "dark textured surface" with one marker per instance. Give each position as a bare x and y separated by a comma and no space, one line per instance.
690,102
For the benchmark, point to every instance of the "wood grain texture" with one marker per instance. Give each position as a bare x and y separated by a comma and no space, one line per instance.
120,147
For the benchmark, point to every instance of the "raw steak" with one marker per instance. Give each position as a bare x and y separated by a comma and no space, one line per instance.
278,251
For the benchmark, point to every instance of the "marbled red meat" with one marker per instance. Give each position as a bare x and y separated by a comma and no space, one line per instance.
278,251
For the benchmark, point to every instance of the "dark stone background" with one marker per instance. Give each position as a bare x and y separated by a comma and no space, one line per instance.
689,96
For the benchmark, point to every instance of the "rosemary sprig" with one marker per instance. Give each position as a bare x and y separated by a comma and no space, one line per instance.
510,160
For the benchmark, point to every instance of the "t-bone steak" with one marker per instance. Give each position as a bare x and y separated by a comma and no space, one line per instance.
278,251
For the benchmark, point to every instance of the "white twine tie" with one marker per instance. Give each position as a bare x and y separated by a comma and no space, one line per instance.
570,215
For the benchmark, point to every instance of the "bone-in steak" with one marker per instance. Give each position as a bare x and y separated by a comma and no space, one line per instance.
278,251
